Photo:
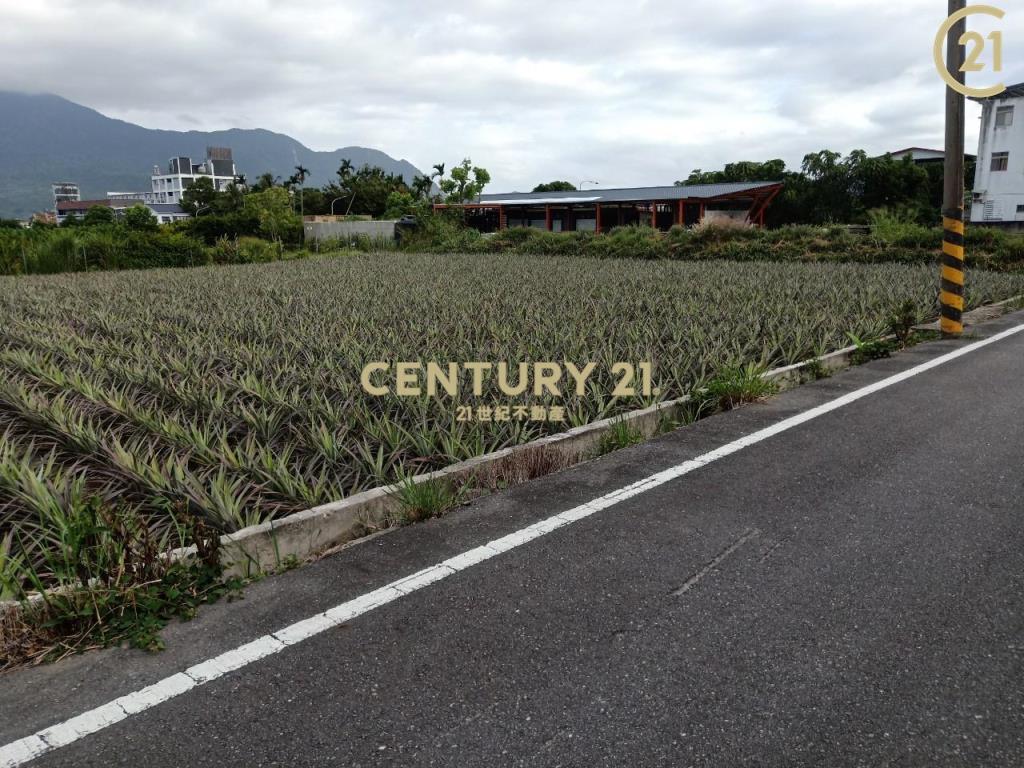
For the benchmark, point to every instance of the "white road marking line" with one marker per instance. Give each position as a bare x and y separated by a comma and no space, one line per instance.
23,750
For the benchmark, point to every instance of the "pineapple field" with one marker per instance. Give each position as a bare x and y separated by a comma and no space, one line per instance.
233,393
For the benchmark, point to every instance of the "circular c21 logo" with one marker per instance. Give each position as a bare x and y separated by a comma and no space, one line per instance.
977,45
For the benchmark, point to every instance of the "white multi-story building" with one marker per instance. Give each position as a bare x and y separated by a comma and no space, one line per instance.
181,173
65,192
999,179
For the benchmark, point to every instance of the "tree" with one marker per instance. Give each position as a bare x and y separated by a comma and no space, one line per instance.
401,204
272,207
266,181
139,217
200,194
888,183
301,172
745,170
316,201
465,183
345,169
98,214
830,188
231,199
422,186
555,186
365,191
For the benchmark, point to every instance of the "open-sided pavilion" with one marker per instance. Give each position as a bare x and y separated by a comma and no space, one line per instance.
599,210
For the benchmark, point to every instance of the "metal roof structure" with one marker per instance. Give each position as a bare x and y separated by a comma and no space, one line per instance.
1012,92
631,195
922,154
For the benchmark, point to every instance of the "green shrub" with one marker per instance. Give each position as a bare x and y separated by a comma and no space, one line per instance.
739,384
424,500
895,237
618,436
900,228
59,253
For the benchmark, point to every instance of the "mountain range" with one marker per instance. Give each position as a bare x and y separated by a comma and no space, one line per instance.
45,138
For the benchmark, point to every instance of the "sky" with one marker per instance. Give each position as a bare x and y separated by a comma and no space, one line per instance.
619,93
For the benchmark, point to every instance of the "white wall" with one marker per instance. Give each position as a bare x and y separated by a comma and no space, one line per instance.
997,194
328,230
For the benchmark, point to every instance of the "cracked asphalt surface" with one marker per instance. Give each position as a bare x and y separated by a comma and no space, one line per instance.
848,592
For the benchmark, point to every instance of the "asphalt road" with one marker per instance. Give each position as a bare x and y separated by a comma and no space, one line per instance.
848,592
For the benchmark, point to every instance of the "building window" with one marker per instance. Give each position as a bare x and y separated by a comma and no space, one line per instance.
1000,161
1004,117
1020,209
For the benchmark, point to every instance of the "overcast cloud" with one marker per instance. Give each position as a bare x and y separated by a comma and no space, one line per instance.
625,93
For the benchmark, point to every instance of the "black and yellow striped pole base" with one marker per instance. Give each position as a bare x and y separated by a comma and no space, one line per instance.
951,296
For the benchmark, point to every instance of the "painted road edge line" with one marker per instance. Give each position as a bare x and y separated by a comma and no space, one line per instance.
61,734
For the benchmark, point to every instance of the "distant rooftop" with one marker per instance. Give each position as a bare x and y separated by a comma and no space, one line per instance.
1011,92
116,203
84,205
631,194
922,153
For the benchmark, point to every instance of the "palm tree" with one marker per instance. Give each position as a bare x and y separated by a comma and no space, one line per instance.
439,175
267,181
301,173
421,187
345,170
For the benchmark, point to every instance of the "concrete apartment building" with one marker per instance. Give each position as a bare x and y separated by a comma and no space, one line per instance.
218,166
65,192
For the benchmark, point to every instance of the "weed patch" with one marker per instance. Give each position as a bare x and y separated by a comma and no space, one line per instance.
114,585
740,384
866,350
619,435
424,500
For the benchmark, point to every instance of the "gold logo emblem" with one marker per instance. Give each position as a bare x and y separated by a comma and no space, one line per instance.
976,45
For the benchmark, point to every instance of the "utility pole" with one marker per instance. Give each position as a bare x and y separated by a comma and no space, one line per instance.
951,296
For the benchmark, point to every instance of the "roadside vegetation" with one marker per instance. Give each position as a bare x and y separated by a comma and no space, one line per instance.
890,238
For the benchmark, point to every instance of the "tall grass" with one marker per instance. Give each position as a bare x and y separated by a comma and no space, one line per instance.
893,238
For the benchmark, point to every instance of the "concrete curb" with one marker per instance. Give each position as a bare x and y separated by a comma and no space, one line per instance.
983,313
268,546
